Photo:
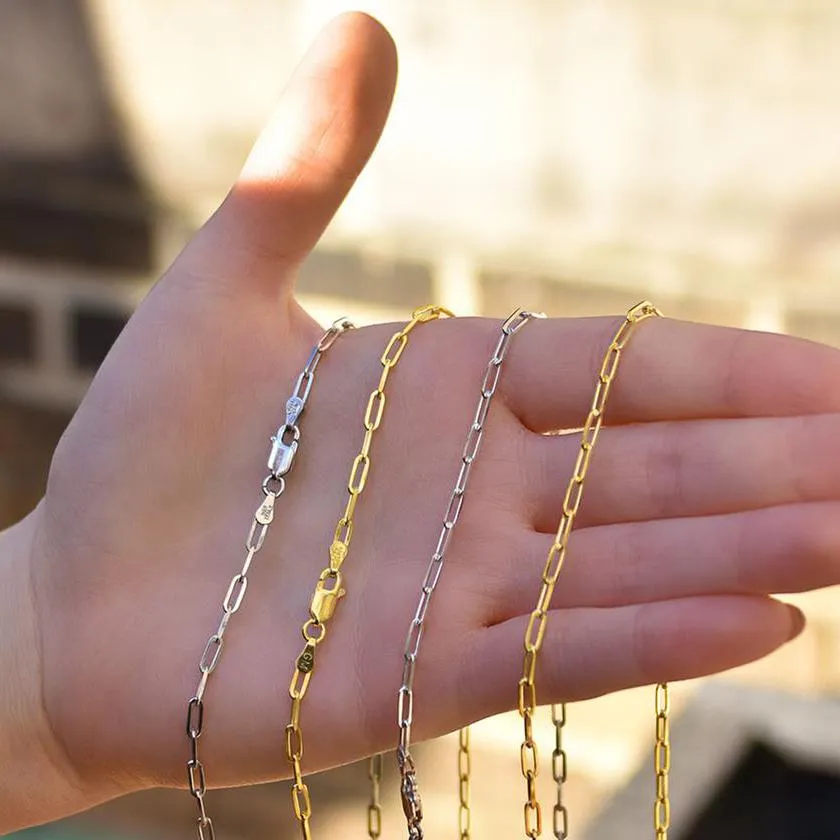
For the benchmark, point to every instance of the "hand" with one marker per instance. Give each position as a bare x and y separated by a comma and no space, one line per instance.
715,484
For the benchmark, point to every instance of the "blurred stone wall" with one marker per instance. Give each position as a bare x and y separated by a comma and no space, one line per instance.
686,149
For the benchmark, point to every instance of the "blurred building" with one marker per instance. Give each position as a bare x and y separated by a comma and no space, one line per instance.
571,156
752,765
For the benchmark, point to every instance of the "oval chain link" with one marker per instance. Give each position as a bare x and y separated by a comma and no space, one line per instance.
329,588
283,450
535,632
409,792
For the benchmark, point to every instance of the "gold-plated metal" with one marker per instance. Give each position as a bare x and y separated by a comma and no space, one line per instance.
464,774
662,763
375,805
329,589
281,457
537,623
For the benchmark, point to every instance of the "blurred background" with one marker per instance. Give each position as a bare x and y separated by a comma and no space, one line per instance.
569,155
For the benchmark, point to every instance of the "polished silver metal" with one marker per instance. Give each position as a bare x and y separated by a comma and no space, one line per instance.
294,406
281,458
409,792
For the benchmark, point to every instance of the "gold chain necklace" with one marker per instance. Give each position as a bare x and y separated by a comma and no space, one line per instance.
535,631
329,588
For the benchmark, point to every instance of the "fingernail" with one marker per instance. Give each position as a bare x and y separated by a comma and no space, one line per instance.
797,621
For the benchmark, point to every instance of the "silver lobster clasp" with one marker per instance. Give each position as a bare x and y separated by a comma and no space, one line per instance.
282,453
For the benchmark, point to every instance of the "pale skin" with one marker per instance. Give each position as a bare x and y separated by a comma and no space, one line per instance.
715,484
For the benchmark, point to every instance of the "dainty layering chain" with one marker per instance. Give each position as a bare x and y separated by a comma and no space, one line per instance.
662,763
558,771
405,706
464,774
535,632
283,449
375,805
328,589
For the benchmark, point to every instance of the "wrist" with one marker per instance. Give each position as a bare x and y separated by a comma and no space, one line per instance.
37,781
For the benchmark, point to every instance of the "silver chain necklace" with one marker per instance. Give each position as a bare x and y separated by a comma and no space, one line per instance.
284,446
405,707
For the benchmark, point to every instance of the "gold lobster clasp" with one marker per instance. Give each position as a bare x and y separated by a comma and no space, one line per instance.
328,590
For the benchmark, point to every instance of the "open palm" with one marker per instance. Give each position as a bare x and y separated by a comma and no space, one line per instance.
714,484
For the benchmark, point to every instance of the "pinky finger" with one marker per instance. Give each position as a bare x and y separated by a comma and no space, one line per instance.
590,652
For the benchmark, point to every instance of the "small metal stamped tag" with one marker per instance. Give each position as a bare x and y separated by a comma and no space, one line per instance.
294,406
306,661
265,512
338,553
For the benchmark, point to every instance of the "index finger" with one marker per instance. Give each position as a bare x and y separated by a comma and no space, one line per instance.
670,370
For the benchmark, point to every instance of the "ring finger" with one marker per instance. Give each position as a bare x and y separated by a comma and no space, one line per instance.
791,548
690,468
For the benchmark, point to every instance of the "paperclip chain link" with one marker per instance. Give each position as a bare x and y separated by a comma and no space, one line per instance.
662,763
464,776
409,792
558,771
283,450
535,632
328,590
375,805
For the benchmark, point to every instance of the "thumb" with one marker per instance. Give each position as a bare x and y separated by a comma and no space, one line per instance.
319,139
